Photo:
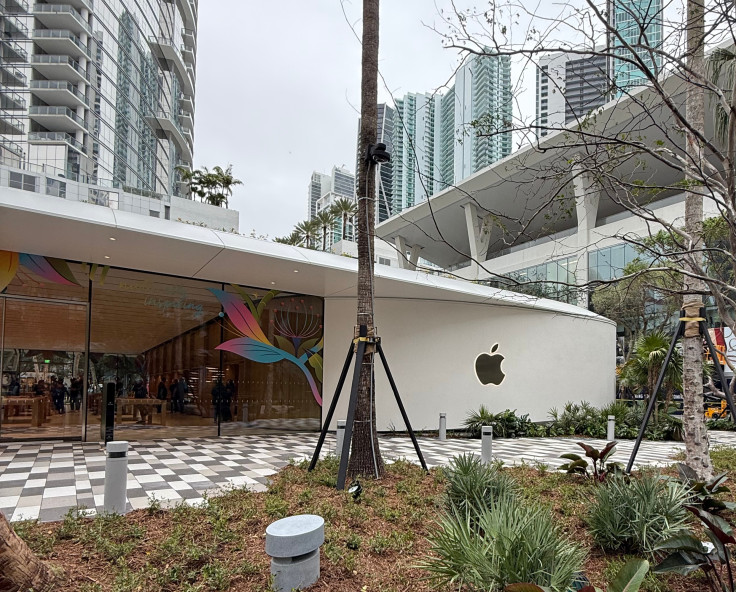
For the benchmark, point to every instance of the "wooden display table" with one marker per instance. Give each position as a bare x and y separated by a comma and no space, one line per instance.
122,402
38,409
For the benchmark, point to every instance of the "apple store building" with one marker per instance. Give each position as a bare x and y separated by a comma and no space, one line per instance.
206,333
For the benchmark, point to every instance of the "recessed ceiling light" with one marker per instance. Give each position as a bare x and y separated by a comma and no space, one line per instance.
107,256
296,271
273,283
113,238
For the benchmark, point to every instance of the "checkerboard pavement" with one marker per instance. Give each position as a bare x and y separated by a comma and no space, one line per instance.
44,480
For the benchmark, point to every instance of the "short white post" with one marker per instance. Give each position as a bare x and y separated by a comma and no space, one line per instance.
611,433
443,427
116,477
486,444
340,436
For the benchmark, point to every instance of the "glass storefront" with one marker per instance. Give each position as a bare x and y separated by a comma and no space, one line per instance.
185,357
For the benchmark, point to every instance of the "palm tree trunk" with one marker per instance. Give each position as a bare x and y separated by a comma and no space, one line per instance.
324,238
344,226
20,569
695,435
365,456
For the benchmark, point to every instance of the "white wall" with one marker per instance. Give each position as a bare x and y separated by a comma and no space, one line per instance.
197,212
431,348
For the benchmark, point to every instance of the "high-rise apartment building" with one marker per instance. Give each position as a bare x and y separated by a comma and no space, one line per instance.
100,93
639,23
341,183
475,118
416,149
569,86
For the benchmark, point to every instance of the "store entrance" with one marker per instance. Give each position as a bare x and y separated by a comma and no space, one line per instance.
42,359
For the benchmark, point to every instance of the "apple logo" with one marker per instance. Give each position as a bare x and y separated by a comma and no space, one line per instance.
488,367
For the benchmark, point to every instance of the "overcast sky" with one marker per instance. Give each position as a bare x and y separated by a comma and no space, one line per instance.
278,92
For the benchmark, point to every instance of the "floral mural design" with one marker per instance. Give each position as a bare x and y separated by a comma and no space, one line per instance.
297,344
53,270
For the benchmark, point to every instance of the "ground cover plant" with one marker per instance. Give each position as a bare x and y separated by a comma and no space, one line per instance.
373,545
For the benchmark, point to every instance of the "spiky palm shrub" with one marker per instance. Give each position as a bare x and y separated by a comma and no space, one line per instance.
472,485
501,544
635,515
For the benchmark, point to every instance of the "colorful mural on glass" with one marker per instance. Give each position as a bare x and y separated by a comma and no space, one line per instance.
297,345
53,270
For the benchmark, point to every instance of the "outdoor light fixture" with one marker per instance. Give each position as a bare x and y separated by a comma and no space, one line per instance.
113,238
355,490
107,256
377,153
296,271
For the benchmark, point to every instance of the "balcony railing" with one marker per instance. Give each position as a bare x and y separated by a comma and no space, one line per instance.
12,147
60,34
12,52
43,59
61,9
9,124
10,99
16,7
14,29
46,110
55,137
11,76
59,85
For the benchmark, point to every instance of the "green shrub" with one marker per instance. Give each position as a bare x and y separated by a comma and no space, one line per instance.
507,424
635,515
472,485
508,543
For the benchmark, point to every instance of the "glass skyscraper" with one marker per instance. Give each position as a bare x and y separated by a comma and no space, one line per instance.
639,23
100,92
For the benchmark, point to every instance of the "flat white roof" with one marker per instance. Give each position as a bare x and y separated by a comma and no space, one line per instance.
75,231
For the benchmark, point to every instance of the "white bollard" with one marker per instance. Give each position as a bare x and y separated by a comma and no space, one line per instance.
611,433
340,436
486,444
443,426
116,477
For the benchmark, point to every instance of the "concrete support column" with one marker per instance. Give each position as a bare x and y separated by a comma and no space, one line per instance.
408,256
587,199
414,256
479,237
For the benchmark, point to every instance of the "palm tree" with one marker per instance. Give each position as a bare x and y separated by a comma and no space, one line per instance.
224,181
292,239
213,187
645,364
326,220
346,210
308,231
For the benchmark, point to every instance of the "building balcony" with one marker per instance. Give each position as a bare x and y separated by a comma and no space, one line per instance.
11,76
164,48
81,4
56,138
187,52
188,10
11,52
11,100
186,103
9,125
60,41
186,122
190,37
58,119
6,146
58,92
163,121
60,16
58,67
16,7
13,28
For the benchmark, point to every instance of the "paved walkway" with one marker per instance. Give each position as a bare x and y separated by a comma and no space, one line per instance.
44,480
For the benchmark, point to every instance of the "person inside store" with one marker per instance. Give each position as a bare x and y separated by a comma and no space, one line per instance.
162,392
58,394
14,387
75,393
181,390
140,392
39,389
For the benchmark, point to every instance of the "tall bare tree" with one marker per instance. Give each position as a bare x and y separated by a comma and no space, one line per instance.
365,456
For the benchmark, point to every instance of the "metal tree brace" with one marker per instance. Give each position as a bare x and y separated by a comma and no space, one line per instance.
358,348
653,397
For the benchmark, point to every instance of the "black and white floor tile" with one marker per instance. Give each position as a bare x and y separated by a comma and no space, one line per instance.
44,480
